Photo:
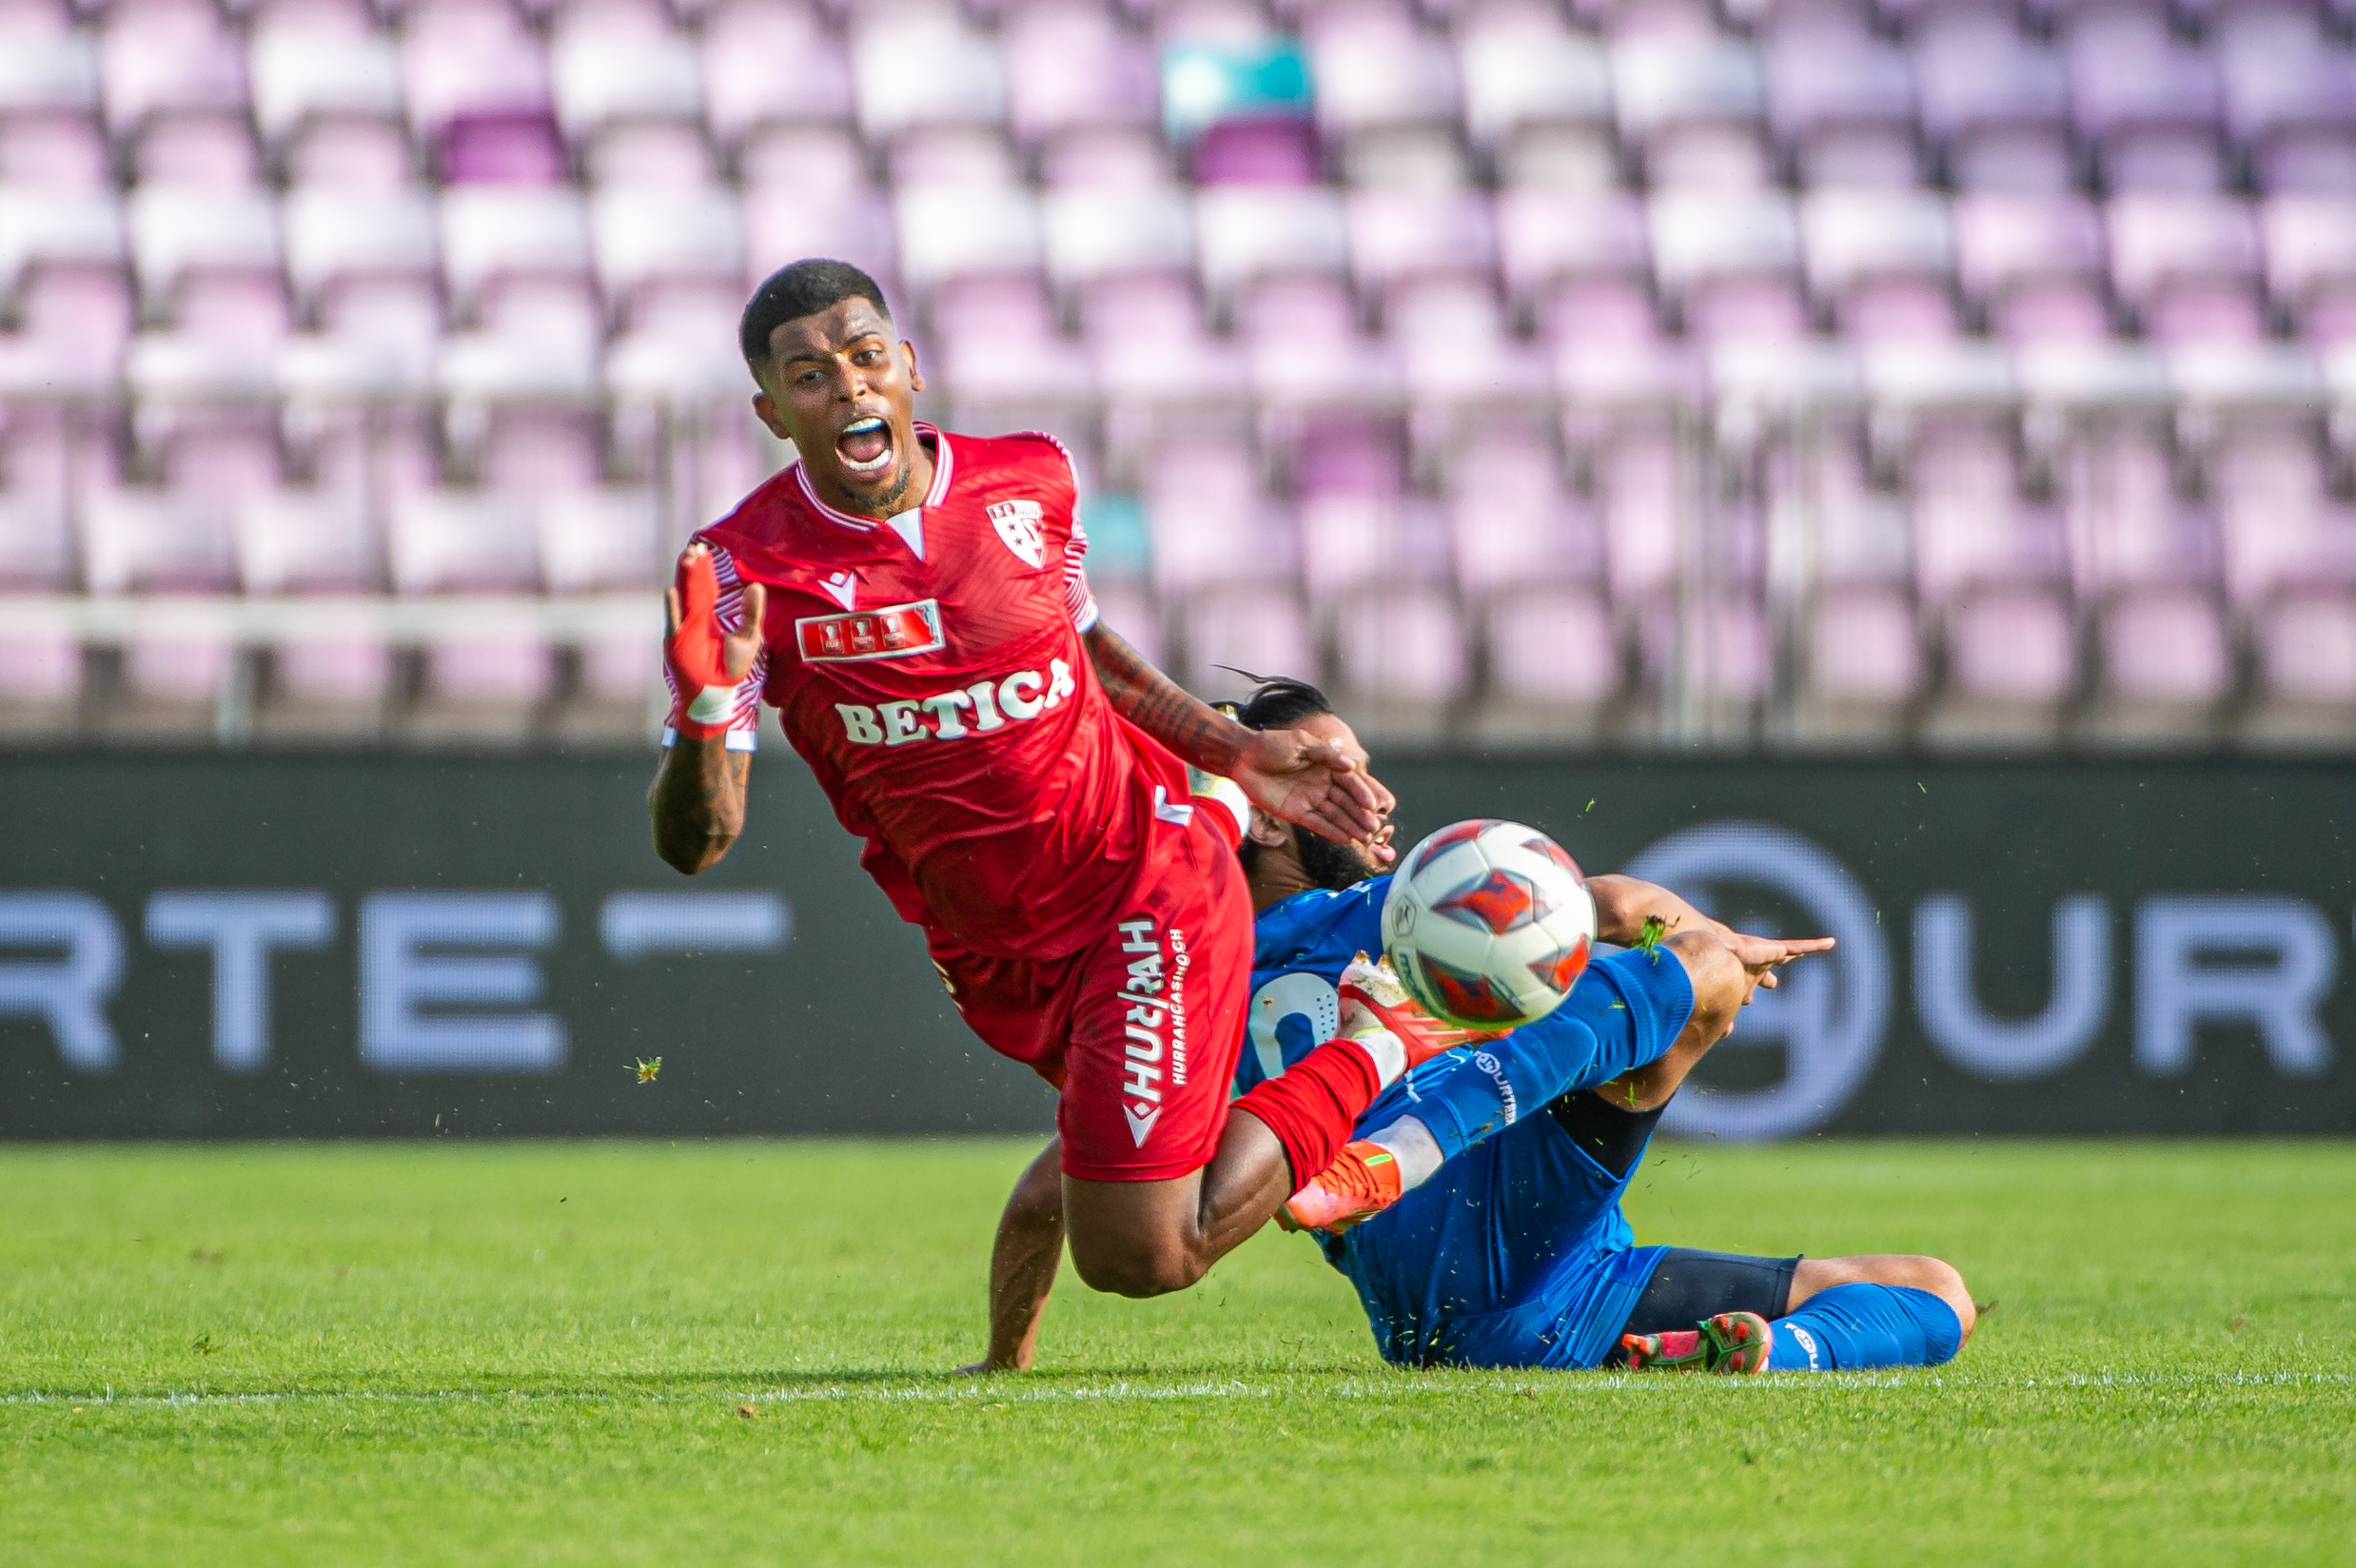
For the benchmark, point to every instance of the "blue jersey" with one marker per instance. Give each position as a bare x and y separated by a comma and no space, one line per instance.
1516,1253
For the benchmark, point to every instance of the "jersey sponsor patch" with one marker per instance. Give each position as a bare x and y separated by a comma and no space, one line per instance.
894,631
1017,523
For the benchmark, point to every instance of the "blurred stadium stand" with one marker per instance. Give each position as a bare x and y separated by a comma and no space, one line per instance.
1913,372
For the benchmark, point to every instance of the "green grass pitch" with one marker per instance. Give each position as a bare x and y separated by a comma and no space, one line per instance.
544,1353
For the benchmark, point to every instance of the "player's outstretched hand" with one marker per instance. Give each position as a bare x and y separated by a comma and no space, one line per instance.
1760,956
1315,783
706,660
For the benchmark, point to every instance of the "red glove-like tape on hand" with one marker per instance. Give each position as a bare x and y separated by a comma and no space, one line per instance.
705,700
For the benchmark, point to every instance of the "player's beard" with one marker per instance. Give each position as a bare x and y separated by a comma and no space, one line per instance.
1333,866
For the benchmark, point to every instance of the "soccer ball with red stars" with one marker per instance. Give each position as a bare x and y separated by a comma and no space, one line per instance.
1488,924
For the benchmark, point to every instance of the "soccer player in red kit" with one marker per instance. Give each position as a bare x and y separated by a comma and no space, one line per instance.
912,601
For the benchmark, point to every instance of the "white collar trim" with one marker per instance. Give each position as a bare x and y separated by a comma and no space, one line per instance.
908,524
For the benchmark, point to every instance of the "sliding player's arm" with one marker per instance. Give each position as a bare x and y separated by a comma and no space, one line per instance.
1629,912
1287,774
1023,1262
696,803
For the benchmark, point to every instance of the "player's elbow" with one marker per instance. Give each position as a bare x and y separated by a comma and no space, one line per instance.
688,852
1719,982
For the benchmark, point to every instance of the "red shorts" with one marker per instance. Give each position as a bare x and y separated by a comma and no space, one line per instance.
1140,1028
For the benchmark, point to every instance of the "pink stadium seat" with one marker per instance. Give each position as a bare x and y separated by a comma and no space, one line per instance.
1996,104
338,237
2150,104
1732,258
43,226
37,672
1545,239
1733,661
1528,79
1209,518
999,348
1553,648
598,541
1400,236
73,325
1271,151
150,540
1969,528
2190,264
2279,528
36,549
2012,646
299,541
814,160
167,57
2127,526
1844,102
449,541
2307,650
2291,98
198,151
321,62
1864,649
2310,261
1130,609
2034,263
923,65
1882,261
621,62
345,675
622,671
855,224
493,237
49,78
647,237
498,679
177,671
1682,97
2166,647
1376,69
476,85
211,259
356,154
1243,232
771,63
1513,524
1251,626
1072,71
63,148
1402,649
1639,481
949,231
1093,234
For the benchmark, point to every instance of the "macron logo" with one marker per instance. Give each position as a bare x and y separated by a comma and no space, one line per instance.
1141,1128
843,587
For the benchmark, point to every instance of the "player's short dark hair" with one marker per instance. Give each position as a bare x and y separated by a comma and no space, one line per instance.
1279,703
798,289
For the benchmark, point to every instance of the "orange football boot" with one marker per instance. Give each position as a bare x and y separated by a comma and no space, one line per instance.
1362,1182
1373,998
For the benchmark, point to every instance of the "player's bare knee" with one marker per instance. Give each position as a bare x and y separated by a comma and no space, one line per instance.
1128,1268
1945,1281
1717,978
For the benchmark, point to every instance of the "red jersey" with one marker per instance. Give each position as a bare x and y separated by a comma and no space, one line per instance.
930,670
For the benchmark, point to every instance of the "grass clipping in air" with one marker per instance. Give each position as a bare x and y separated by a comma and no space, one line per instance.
739,1351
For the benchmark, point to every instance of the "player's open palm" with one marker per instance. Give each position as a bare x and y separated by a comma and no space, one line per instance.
1304,779
707,659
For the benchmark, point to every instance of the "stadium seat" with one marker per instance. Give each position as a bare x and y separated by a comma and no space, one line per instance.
1843,102
160,58
61,148
1731,259
321,62
771,63
949,231
1691,105
340,241
1073,72
1093,235
1862,664
2291,98
1244,232
618,63
2127,526
2012,665
484,688
1400,237
326,687
36,547
449,541
476,80
2279,529
150,540
2307,653
647,238
1401,660
1553,656
1996,104
1883,261
1969,526
2188,264
1547,241
40,683
492,237
855,224
1210,521
2166,664
916,64
598,540
49,73
1247,626
172,685
45,226
2310,262
1640,481
2148,105
1513,524
1537,98
2034,265
1386,95
297,541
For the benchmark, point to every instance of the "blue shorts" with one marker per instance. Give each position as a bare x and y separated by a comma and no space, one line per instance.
1516,1253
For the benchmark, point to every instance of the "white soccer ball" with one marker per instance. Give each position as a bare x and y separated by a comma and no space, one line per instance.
1488,924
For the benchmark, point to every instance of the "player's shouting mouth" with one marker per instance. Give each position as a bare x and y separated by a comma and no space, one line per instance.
912,603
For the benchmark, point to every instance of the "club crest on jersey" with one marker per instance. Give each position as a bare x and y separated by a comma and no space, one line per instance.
895,631
1017,523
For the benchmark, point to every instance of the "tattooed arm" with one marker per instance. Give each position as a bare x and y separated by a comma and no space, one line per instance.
1287,774
698,802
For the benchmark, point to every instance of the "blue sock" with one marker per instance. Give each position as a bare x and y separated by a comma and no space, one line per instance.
1476,1093
1852,1327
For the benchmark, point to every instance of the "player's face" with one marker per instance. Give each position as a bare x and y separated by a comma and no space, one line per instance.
842,388
1328,864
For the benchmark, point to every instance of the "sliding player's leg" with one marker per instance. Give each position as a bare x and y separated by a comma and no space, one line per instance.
1723,1312
1161,1176
1632,1026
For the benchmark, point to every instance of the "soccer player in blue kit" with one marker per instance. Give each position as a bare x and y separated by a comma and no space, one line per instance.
1477,1212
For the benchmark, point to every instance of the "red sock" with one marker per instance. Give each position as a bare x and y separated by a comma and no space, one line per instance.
1312,1106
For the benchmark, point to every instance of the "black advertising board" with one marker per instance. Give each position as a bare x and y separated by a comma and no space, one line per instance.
271,946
